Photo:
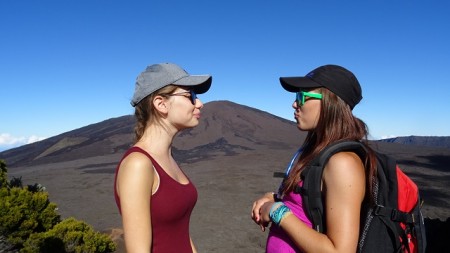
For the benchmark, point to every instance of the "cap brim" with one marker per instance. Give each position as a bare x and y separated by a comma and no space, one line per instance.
293,84
199,83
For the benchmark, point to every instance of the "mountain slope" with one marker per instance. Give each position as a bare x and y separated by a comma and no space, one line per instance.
101,138
223,126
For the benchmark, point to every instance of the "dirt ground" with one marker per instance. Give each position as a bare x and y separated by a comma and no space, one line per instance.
227,187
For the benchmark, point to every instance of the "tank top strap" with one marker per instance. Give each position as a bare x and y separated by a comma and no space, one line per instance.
138,150
156,166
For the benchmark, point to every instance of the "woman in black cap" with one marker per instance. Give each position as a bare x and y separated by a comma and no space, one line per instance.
154,196
323,107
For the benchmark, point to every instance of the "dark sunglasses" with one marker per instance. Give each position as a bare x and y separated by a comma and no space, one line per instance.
300,97
188,94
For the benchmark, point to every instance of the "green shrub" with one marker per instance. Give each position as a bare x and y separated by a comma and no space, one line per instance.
71,236
30,222
3,175
23,212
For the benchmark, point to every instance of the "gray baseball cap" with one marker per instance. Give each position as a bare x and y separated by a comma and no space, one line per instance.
157,76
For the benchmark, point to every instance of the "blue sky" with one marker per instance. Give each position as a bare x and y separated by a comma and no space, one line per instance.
65,64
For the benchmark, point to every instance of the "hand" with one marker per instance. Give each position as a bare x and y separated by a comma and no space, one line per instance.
257,210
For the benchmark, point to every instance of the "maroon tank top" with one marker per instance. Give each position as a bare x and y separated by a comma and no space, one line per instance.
171,208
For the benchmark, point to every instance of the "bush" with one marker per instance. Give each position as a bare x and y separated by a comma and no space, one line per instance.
23,212
3,175
29,221
71,236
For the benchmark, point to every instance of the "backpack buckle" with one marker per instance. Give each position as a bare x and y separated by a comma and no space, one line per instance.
378,210
394,215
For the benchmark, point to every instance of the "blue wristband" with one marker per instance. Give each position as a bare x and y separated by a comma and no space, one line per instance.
274,206
276,215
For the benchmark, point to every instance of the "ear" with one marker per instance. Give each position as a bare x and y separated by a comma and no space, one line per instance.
160,104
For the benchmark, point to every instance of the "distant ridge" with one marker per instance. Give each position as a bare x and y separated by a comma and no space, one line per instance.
430,141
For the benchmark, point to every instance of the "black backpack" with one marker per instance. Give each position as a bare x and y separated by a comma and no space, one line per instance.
385,226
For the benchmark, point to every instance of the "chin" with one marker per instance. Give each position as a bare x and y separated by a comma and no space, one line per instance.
193,124
302,128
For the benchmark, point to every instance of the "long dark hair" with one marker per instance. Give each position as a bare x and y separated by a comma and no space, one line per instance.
145,113
336,122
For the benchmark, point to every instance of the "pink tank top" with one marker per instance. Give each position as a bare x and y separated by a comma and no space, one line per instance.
171,208
278,241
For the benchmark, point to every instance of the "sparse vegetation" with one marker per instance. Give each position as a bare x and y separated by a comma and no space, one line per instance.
70,235
30,222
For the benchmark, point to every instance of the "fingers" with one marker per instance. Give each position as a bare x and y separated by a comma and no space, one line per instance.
257,209
255,212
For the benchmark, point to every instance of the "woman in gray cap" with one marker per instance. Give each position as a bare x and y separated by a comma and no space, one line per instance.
323,107
154,196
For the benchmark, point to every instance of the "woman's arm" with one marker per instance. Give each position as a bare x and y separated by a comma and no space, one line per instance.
344,188
135,183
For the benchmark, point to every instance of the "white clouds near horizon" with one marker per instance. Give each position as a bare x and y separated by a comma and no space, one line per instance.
8,141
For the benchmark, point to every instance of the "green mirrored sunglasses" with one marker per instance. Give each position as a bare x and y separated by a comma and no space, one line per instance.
301,97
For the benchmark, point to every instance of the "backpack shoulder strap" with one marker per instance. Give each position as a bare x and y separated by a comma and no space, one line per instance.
312,178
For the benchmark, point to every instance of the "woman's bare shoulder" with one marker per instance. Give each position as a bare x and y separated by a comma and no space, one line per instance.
344,166
136,162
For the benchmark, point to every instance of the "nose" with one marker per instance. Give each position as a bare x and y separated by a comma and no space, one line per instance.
295,105
198,103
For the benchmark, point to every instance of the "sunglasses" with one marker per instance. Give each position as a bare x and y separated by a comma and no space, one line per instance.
187,94
300,97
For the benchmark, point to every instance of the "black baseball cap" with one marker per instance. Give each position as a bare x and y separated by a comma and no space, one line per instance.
337,79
